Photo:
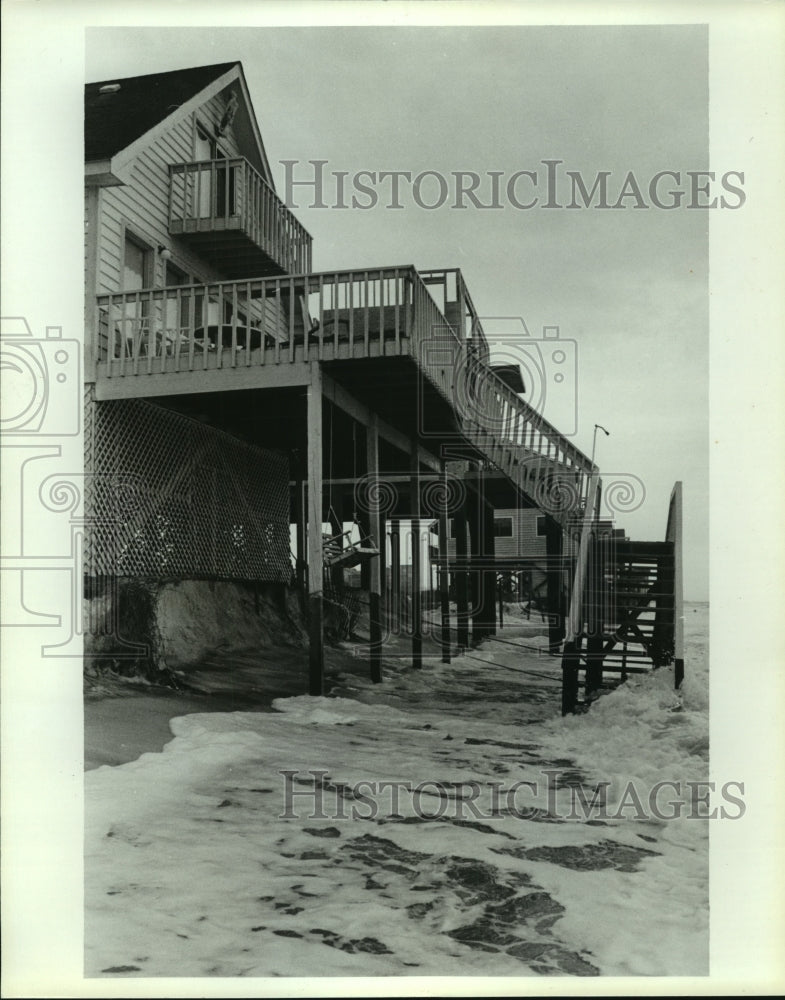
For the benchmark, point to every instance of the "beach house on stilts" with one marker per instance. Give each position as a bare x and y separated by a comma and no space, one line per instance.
233,392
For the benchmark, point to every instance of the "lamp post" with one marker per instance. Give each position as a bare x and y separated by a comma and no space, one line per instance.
597,427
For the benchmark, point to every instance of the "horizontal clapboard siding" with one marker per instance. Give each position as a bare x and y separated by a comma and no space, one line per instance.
142,208
524,540
143,205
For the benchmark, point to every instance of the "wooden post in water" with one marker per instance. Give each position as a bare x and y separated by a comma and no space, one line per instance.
594,638
416,592
444,574
375,527
315,556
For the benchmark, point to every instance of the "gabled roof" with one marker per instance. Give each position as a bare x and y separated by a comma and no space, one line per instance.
114,120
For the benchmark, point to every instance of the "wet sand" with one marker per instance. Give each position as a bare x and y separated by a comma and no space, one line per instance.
125,719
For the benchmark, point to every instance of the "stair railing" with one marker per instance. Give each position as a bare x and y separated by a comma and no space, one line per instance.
574,624
673,533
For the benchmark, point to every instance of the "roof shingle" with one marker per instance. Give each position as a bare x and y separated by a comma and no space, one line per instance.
115,120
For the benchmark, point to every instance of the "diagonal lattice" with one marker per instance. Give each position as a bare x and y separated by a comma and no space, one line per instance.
172,497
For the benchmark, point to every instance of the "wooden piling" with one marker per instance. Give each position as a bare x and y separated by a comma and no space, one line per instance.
462,576
416,592
375,527
315,557
595,579
444,575
476,578
553,551
489,573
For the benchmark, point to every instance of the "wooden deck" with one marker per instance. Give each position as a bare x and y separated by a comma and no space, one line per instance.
379,330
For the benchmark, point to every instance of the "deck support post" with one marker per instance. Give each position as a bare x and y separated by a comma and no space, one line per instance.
553,551
394,598
375,565
489,573
476,575
315,556
570,664
595,599
416,558
444,573
299,518
461,576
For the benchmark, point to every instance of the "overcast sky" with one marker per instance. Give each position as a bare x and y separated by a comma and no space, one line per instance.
628,287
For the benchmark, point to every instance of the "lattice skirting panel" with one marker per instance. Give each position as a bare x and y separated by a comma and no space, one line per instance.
169,497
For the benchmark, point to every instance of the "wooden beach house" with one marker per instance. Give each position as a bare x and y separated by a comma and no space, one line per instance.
231,391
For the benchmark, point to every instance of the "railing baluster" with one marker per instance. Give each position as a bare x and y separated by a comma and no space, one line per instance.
233,361
397,287
136,337
178,327
198,212
336,313
249,326
321,318
278,318
291,308
190,330
151,334
367,330
111,339
350,293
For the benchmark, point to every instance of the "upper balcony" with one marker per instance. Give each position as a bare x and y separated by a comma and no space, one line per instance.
234,219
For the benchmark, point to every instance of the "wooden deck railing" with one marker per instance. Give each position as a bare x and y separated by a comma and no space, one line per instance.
229,194
330,317
305,317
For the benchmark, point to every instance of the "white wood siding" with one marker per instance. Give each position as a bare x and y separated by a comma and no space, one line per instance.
142,208
143,205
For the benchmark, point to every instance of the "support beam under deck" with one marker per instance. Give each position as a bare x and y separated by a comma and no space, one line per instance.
315,559
375,529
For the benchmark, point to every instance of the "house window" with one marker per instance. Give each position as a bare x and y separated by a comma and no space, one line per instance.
222,201
137,264
502,527
541,526
137,274
205,147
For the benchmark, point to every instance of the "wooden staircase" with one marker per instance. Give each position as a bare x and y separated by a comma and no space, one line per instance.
628,616
630,606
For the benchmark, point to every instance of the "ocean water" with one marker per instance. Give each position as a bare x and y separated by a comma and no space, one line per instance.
270,845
